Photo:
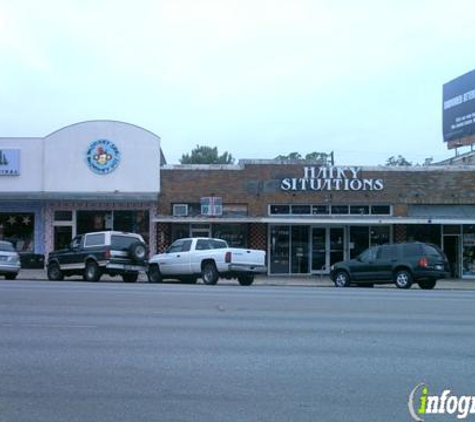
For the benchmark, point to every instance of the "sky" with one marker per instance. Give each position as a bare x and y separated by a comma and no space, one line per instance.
255,78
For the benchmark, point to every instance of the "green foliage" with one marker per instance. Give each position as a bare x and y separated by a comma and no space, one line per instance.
206,155
398,161
321,157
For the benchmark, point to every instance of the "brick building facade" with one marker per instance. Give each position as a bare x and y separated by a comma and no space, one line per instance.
307,217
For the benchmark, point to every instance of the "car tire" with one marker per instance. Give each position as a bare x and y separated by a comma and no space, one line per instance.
403,279
138,251
246,280
342,279
209,274
427,284
92,271
154,275
130,278
54,273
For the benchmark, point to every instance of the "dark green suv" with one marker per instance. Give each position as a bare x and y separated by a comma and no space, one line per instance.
401,264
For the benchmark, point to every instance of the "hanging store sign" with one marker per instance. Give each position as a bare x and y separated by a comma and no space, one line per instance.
9,162
102,156
331,179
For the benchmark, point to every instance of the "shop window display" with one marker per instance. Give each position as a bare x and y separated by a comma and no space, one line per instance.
19,229
468,251
234,234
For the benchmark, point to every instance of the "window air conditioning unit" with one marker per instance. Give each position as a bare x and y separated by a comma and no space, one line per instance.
180,210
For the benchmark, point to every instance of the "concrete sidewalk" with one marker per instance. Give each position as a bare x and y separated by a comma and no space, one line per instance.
309,281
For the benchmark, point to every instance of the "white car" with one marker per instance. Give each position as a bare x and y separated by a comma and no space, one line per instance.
188,259
9,261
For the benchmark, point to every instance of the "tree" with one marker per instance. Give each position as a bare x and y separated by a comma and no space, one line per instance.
321,157
397,161
206,155
428,161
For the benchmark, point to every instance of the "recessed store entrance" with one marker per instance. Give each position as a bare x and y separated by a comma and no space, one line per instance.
328,247
296,249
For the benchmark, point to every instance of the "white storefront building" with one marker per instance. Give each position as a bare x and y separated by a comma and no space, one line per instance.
90,176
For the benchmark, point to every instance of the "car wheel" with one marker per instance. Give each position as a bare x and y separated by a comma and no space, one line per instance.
246,280
10,276
154,275
427,284
209,274
342,279
403,279
130,278
92,271
138,251
54,273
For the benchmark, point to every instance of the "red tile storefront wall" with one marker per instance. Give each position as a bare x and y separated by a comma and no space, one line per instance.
163,236
258,236
400,233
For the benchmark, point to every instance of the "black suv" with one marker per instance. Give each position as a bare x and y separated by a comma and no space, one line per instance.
401,264
94,254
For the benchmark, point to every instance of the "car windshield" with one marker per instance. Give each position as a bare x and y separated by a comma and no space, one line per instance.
6,247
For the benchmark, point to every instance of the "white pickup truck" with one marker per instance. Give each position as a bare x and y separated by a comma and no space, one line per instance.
188,259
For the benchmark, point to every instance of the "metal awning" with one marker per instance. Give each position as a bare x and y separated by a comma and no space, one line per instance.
311,220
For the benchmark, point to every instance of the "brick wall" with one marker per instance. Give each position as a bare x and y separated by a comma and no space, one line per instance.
258,185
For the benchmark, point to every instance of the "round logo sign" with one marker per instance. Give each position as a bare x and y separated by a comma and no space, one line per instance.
102,156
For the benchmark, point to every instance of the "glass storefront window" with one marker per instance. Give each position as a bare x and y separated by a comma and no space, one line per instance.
339,209
127,221
301,209
234,234
359,240
300,248
63,216
380,210
93,221
180,231
280,249
429,233
380,235
359,209
19,229
132,221
468,269
320,209
280,209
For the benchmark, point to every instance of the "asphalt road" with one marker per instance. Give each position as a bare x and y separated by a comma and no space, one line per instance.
75,351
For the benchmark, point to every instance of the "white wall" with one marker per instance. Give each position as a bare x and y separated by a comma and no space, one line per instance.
31,165
66,169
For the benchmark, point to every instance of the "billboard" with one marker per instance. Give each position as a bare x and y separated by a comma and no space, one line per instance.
458,108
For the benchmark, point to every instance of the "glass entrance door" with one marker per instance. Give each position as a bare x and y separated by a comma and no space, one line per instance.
328,247
337,244
319,249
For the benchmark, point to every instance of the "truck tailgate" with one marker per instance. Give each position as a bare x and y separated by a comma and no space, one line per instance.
247,257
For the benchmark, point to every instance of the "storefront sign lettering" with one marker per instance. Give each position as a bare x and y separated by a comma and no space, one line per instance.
331,179
9,162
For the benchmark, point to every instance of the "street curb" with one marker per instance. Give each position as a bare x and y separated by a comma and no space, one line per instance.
303,281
